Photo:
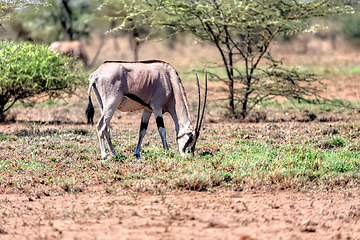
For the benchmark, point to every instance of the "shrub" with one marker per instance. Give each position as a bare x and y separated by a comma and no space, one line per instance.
28,70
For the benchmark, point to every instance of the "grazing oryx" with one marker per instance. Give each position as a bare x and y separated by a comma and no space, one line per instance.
153,86
74,48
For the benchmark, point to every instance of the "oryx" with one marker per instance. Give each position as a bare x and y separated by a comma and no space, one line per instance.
74,48
153,86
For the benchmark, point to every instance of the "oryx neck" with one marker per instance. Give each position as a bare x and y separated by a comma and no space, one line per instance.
182,109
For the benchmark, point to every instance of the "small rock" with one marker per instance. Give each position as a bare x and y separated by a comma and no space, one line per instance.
2,230
308,229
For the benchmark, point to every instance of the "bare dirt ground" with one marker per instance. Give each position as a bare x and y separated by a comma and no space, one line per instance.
222,214
183,215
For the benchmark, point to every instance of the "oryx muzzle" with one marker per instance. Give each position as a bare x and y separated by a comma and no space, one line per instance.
153,86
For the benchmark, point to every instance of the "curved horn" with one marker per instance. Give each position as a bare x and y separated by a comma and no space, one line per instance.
199,107
199,119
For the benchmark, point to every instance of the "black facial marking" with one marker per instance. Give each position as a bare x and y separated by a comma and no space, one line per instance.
188,142
160,122
137,99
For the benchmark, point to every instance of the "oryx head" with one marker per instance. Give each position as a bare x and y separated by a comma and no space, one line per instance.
187,141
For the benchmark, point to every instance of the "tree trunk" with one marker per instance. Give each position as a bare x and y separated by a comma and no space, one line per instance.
244,107
231,97
231,73
115,38
243,112
68,25
3,114
136,44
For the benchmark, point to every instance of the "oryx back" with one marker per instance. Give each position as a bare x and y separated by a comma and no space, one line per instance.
134,86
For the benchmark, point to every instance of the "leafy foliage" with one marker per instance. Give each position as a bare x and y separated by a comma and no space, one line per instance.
54,20
6,6
28,70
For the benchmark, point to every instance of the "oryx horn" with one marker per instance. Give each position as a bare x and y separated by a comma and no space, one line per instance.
200,117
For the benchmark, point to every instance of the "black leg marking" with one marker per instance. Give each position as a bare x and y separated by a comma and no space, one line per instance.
160,122
161,127
143,125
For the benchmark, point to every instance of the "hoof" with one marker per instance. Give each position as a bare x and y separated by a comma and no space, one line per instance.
137,155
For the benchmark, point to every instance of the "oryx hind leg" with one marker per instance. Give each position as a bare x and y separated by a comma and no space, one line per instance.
100,128
143,126
103,127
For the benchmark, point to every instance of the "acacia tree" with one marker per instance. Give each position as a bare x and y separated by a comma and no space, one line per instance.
134,24
242,31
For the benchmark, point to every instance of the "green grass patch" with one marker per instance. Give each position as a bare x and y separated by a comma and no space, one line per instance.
284,155
355,70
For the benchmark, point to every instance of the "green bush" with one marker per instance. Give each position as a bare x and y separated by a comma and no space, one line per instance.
28,70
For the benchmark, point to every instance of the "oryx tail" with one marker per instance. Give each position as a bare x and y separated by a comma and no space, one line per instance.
90,111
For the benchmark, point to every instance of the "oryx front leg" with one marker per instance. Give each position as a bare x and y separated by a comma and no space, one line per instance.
143,126
161,128
103,127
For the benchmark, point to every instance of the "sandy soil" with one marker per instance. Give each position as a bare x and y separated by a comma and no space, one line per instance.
182,215
48,212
